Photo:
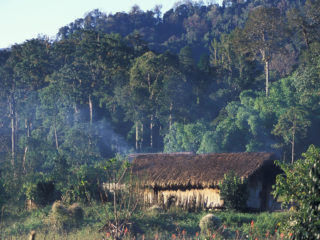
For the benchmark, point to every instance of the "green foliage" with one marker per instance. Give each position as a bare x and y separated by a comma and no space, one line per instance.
22,222
85,184
80,145
40,190
3,194
293,122
233,191
246,125
186,137
299,185
186,59
291,126
55,95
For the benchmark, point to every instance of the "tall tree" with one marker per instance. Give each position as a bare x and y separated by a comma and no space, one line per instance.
146,82
7,92
262,36
292,125
186,58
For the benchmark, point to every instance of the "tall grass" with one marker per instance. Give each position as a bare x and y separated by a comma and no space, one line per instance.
173,224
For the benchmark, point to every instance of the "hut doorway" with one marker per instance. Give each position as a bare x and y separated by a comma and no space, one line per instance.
171,201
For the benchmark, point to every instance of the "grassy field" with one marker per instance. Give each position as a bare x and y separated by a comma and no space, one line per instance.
173,224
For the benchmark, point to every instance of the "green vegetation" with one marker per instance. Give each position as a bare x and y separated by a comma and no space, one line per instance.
233,191
175,222
239,77
209,222
299,186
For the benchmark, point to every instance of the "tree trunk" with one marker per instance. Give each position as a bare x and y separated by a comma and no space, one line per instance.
267,76
305,37
292,148
266,60
293,138
170,116
25,159
90,109
55,132
56,137
13,142
151,131
215,56
13,130
27,127
141,138
115,206
76,113
137,136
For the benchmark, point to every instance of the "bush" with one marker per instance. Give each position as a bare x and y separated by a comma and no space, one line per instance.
85,185
234,192
299,185
41,192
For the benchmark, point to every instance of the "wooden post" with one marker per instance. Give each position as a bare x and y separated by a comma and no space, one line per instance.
32,235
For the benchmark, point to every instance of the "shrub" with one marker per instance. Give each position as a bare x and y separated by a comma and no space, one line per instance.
233,191
299,185
84,185
40,193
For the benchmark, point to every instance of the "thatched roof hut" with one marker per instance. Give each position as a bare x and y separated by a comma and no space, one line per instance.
188,171
196,170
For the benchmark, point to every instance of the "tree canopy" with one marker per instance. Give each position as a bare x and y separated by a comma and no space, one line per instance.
243,76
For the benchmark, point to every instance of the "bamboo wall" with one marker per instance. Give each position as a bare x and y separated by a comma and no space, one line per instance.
192,198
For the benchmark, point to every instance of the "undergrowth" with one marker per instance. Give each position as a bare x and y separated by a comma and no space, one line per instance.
173,224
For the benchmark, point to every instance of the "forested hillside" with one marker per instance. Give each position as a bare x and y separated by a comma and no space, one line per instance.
243,76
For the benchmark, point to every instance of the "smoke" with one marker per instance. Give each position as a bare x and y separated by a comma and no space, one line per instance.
112,142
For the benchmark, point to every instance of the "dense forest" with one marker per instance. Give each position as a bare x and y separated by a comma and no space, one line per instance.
243,76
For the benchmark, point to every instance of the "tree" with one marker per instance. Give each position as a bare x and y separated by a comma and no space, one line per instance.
51,108
305,20
23,74
80,145
235,69
186,59
298,23
299,185
306,78
175,94
291,125
262,36
146,83
150,78
7,96
233,191
184,137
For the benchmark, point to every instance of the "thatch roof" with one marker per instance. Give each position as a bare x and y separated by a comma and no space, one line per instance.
195,170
